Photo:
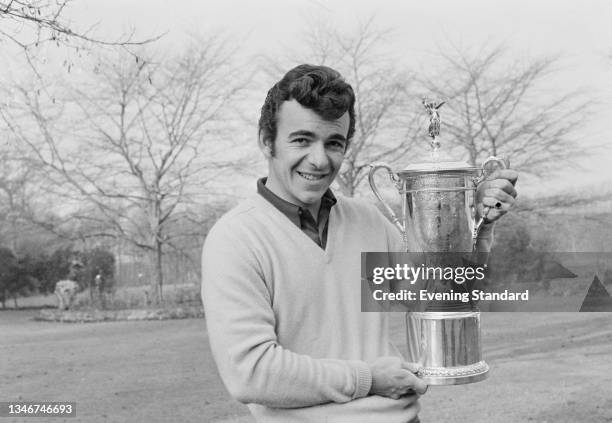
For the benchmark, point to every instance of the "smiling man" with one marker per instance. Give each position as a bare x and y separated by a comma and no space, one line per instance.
281,274
304,164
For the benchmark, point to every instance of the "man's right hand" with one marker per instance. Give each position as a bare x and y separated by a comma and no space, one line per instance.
393,378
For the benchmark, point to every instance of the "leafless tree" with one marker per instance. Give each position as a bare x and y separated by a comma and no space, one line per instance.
146,144
388,117
14,196
33,23
498,106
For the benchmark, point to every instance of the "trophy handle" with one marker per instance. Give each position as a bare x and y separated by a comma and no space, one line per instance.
373,168
478,224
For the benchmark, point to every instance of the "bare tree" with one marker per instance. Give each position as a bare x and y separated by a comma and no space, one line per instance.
31,23
22,200
387,117
498,106
34,23
146,145
14,196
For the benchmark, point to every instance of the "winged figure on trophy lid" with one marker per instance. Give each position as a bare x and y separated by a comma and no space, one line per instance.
434,120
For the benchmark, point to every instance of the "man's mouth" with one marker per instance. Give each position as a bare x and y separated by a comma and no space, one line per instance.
312,176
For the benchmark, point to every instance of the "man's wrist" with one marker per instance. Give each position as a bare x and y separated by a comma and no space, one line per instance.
364,380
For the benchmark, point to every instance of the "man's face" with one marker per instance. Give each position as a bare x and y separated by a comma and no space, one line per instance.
308,153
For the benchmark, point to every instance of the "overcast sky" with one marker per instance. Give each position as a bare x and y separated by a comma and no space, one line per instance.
578,30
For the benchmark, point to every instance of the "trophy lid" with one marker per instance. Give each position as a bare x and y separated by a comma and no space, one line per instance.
438,162
448,167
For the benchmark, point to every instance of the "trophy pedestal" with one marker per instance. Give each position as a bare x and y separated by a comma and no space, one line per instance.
447,346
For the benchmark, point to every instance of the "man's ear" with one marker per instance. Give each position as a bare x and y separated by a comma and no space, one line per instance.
265,145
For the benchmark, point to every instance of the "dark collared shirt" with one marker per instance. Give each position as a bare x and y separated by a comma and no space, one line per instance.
302,218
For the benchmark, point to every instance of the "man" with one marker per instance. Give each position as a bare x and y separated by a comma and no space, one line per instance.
281,273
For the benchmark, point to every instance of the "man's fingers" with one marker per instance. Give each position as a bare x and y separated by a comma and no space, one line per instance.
497,195
416,384
501,184
411,367
493,202
419,386
508,174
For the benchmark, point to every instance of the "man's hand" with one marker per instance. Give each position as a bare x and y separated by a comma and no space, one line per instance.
392,377
495,195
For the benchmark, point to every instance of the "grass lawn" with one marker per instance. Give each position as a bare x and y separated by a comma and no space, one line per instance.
545,367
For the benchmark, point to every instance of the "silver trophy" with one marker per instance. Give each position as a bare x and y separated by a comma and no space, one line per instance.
438,215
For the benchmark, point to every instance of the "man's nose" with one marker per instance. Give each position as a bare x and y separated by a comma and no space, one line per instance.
318,156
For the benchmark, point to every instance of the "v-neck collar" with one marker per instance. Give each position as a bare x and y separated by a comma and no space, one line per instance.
317,229
331,231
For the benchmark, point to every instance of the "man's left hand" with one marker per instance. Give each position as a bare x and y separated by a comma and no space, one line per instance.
495,195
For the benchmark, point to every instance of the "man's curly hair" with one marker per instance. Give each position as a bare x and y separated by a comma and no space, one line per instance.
318,88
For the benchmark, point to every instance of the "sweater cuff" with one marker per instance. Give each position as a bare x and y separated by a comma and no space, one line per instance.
364,380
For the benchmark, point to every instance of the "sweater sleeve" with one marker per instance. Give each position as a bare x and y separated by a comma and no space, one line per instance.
241,330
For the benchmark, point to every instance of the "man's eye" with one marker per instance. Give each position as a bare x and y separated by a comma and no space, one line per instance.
300,140
337,145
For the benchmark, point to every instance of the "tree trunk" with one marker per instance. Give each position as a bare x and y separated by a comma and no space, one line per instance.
119,255
159,270
157,273
92,300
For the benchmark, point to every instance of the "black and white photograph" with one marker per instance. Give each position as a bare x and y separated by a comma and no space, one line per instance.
308,211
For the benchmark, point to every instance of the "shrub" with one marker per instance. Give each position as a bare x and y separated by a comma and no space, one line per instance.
15,279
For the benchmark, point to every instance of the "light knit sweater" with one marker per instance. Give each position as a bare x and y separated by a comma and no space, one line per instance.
284,316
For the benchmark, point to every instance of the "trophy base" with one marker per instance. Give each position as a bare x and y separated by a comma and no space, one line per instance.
455,375
447,347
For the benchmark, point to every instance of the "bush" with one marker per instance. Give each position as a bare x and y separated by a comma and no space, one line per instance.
520,257
137,297
510,249
15,279
8,264
63,263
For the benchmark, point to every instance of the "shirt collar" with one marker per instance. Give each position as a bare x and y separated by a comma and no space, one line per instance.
288,209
